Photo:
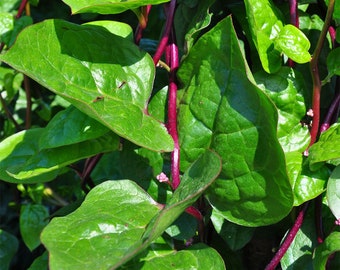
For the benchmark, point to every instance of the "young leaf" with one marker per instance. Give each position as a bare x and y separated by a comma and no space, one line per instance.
223,110
8,247
33,219
293,43
286,88
21,161
326,149
323,251
333,62
108,6
69,127
265,25
333,192
112,82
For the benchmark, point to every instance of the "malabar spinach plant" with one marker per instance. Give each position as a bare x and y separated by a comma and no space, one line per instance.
157,134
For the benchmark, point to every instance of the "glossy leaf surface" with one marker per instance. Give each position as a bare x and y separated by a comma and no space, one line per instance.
23,162
33,219
323,251
264,30
224,111
333,192
326,149
293,43
8,247
108,6
113,213
113,81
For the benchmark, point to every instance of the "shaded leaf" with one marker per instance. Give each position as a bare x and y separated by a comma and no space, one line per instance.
323,251
223,110
118,28
234,235
333,192
333,62
108,6
69,127
113,81
23,162
33,219
40,263
265,25
8,247
293,43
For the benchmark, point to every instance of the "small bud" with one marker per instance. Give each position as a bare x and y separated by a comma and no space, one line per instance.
162,177
310,113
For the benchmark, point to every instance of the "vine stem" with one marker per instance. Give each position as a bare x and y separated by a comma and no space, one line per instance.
294,20
316,75
289,238
331,111
173,61
165,38
142,23
21,8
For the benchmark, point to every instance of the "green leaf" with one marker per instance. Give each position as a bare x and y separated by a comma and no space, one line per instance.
113,81
108,6
183,228
300,252
8,5
33,219
286,88
8,247
40,263
265,25
112,219
333,192
198,257
333,62
21,161
19,25
6,23
234,235
293,43
223,110
118,28
69,127
326,149
327,248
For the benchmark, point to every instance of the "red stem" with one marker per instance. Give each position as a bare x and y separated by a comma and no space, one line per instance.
21,8
331,111
165,38
172,53
289,239
318,219
142,26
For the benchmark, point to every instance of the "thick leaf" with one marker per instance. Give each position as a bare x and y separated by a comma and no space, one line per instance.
33,219
198,257
108,6
300,252
333,62
285,88
193,183
6,23
293,43
113,81
223,110
40,263
112,220
323,251
333,192
8,247
234,235
326,149
21,161
19,24
118,28
69,127
265,25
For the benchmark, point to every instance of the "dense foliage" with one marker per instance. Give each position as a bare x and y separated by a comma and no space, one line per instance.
157,134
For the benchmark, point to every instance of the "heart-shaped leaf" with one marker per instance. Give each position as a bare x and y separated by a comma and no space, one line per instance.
108,6
224,111
8,247
104,75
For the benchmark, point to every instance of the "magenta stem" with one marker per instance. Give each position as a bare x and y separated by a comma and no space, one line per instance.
142,26
173,61
21,8
165,38
289,239
331,111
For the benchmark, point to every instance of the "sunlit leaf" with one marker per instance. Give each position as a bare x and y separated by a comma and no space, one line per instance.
333,192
